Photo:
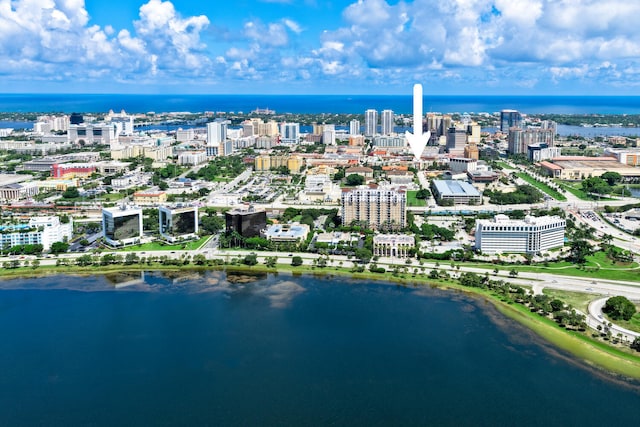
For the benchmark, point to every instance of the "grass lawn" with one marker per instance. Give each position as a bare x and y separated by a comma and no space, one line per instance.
633,324
576,189
159,246
504,165
541,186
577,300
112,197
412,200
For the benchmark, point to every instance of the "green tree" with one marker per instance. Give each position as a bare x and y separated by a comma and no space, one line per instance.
71,193
354,179
59,247
296,261
611,177
251,259
619,307
595,185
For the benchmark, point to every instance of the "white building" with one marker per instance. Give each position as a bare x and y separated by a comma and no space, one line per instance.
393,245
290,133
192,158
90,133
370,122
531,235
329,135
354,127
387,122
39,230
122,225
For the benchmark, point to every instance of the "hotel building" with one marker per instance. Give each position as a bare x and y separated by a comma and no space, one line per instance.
531,235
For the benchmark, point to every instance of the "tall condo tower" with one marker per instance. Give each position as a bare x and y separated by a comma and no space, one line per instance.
370,122
509,119
354,127
387,122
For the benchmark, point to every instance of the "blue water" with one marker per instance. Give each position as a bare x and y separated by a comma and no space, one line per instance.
68,103
201,350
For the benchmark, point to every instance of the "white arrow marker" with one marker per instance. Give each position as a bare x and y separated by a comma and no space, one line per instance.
417,141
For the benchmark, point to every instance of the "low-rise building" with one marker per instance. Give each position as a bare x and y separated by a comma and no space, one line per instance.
248,222
122,225
178,223
292,233
39,230
531,235
455,192
149,198
393,245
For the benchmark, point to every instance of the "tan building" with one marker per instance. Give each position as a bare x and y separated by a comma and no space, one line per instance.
366,172
374,207
578,168
471,152
265,163
150,198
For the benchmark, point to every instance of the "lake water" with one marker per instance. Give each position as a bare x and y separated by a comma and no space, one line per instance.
207,349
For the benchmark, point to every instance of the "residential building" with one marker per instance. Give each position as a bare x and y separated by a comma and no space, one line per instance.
290,133
520,139
38,231
531,235
354,127
374,207
510,119
387,122
370,122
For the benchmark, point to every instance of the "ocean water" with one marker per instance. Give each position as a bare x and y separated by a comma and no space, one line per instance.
357,104
212,349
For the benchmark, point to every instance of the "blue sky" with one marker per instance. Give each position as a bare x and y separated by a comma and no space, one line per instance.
496,47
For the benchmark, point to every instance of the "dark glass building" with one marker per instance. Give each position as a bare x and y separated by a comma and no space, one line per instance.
247,222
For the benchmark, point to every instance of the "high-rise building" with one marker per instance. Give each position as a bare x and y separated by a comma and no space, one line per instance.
216,132
290,133
456,140
375,208
510,119
329,135
387,122
370,122
354,127
520,139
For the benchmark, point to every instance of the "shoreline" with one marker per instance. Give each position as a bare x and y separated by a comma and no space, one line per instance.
601,357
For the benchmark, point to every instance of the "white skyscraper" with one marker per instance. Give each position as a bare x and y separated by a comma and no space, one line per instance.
329,135
216,133
370,122
354,127
387,122
290,133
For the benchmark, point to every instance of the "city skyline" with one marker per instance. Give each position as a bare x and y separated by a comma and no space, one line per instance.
575,47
